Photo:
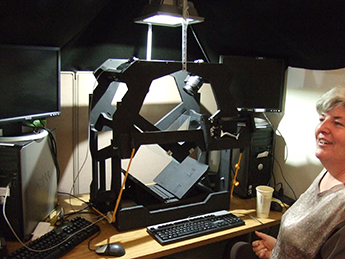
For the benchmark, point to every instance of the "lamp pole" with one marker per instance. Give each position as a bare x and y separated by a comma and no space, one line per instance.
184,35
149,42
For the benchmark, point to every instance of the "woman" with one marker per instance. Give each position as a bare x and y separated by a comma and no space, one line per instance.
314,227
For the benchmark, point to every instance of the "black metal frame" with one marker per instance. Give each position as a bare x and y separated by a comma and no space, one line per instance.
130,130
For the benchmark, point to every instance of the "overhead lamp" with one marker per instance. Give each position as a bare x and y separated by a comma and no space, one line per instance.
171,13
168,13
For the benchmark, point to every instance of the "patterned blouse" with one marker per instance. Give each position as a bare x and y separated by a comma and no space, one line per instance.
314,226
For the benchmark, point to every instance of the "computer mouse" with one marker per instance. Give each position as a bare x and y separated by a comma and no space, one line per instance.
111,249
275,206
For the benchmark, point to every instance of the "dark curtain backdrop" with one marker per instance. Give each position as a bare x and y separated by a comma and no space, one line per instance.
306,34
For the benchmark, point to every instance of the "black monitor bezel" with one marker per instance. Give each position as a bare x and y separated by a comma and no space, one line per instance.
13,119
281,89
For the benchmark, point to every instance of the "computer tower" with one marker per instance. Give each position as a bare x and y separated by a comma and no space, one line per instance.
28,168
256,164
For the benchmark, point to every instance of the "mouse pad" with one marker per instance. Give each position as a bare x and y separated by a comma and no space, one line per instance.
180,178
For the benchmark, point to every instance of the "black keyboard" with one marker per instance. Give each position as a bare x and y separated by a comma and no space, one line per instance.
169,232
63,233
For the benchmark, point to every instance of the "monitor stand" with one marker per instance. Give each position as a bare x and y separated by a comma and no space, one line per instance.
18,136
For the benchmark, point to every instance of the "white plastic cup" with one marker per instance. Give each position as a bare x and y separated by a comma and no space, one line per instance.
263,200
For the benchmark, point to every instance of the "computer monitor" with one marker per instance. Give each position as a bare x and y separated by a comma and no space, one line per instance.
29,85
257,83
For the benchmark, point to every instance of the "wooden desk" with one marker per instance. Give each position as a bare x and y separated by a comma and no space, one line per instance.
139,244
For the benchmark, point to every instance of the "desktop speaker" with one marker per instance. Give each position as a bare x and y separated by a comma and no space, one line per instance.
28,168
256,164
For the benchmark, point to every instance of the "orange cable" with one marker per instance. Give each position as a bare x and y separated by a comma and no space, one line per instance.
234,181
122,187
100,213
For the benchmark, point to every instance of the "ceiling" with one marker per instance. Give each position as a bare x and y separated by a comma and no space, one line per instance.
306,34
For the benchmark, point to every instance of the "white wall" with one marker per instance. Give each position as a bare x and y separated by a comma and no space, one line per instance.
295,147
63,127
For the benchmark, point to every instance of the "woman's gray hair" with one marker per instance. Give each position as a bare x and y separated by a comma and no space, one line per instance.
331,99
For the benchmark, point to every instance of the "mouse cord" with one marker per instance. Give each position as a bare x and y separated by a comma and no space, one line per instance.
89,243
244,214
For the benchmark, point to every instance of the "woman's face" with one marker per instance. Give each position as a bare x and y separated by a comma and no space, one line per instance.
330,137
